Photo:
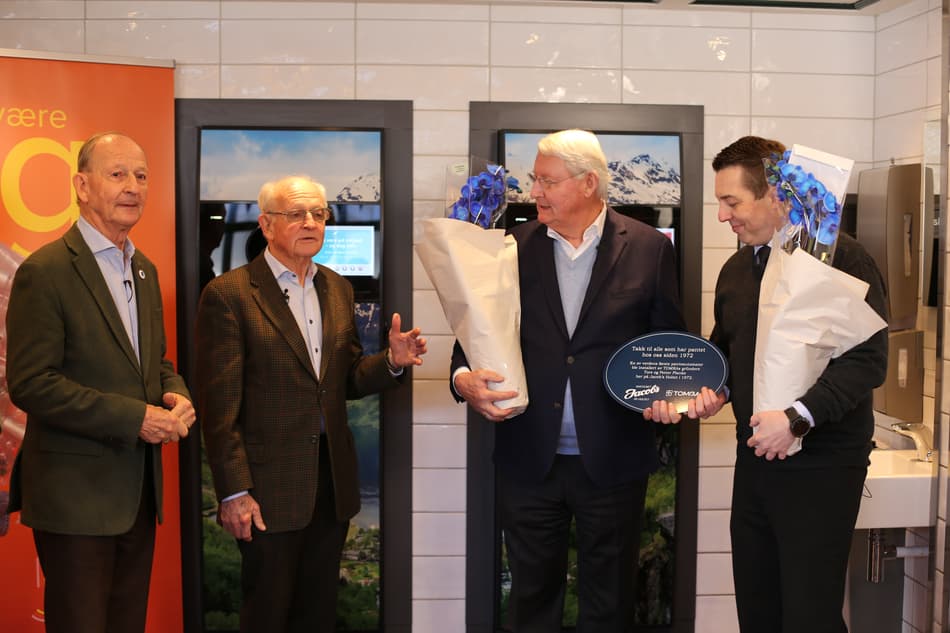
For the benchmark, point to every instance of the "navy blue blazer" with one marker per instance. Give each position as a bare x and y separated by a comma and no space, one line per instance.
633,290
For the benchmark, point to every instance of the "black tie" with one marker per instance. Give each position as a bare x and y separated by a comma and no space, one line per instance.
761,258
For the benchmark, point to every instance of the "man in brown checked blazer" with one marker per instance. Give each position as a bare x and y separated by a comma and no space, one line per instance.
86,361
278,356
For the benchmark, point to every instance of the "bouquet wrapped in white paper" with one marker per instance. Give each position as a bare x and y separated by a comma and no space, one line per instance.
474,270
809,312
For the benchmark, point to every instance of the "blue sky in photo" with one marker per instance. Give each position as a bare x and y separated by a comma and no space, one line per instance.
235,163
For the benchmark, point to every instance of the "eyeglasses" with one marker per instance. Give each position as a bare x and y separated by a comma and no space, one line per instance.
547,183
319,214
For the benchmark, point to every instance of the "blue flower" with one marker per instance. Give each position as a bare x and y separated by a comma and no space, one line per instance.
483,198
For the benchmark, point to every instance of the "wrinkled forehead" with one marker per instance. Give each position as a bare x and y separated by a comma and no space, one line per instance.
303,193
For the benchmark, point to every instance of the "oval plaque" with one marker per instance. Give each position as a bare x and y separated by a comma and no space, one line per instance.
670,366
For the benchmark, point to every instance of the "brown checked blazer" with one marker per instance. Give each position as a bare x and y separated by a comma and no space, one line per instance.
71,367
260,401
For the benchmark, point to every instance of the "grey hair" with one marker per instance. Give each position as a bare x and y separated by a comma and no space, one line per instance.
274,190
580,150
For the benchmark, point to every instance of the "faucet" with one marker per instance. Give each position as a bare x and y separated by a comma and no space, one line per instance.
922,436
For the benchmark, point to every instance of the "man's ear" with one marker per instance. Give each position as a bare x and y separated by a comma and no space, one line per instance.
80,185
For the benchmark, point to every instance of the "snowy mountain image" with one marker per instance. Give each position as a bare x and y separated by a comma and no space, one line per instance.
638,180
643,180
364,188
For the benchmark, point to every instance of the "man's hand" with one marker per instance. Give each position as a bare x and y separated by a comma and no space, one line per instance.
405,348
180,406
236,516
706,404
161,426
473,386
773,435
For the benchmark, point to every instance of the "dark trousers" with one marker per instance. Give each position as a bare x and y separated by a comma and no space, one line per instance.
99,584
536,521
289,580
791,538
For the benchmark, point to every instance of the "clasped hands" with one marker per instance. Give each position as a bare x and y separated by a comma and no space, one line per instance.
772,437
170,422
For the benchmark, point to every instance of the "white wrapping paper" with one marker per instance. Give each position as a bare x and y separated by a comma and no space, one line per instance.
475,273
809,313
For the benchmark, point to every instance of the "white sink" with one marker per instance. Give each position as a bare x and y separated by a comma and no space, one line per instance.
898,491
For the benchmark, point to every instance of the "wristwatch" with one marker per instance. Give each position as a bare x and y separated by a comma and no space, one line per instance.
797,423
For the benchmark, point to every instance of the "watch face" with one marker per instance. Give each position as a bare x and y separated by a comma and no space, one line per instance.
800,426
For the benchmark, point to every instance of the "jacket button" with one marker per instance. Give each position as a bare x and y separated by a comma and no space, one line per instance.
314,439
570,360
557,405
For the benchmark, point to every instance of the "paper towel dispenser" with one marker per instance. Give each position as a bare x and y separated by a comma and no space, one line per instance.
888,226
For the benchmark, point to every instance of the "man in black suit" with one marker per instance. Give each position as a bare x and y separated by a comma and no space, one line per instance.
792,517
591,280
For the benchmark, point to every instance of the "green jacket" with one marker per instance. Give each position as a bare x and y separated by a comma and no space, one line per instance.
71,367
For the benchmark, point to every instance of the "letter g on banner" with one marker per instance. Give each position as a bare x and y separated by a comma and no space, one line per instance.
11,193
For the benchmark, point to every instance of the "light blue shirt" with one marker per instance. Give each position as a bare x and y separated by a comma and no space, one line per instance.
304,305
574,267
116,267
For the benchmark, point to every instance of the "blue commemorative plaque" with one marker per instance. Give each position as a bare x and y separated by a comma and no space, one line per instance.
670,366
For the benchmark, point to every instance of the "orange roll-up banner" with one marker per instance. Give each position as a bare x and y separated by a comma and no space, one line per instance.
48,107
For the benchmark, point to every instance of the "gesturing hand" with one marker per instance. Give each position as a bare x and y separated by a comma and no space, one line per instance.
405,348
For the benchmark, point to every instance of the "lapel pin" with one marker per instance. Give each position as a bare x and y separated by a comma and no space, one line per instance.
141,274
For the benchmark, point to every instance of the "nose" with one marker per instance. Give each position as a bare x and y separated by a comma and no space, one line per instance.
536,189
725,213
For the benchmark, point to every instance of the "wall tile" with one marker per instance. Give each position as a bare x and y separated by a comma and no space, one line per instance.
35,9
439,489
720,131
818,96
150,9
713,531
934,92
708,318
420,280
197,81
438,446
902,44
440,132
718,93
287,42
900,90
432,402
555,85
420,11
55,36
901,13
438,616
934,26
428,177
438,577
556,13
819,21
716,614
712,16
269,81
899,136
682,48
555,45
715,487
437,360
717,444
429,87
714,574
257,10
845,137
428,313
438,534
815,52
403,42
186,41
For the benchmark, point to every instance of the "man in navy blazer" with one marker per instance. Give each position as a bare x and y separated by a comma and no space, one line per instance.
591,280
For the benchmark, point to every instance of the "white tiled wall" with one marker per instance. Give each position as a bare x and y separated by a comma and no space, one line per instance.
856,85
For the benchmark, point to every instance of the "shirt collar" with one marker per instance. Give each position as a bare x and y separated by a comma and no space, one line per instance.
595,230
280,270
97,242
